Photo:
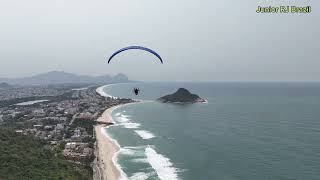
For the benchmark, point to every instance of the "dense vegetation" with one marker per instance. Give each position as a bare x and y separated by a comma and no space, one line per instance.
25,157
182,96
84,123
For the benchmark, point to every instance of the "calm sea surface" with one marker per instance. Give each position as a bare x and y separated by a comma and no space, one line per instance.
246,131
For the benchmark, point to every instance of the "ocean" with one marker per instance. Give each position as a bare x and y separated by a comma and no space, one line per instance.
246,131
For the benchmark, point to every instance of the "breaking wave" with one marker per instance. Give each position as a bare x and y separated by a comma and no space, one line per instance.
144,134
161,164
140,176
131,125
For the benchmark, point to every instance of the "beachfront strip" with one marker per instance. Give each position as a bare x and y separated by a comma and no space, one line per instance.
71,122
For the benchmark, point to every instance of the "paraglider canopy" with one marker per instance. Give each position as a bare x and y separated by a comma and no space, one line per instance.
136,47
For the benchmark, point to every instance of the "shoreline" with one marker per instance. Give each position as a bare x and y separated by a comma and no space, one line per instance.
100,91
108,148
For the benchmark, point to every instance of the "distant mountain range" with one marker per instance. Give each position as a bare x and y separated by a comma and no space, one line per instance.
60,77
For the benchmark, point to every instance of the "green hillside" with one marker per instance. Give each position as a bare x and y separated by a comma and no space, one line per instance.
24,157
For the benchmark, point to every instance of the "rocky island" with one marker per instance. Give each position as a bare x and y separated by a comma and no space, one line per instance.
182,95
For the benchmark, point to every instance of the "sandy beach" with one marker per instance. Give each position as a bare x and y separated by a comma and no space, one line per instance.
106,148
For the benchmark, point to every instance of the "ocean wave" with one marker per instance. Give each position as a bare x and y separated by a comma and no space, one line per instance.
122,119
135,147
140,160
119,117
124,116
136,151
131,125
140,176
127,151
144,134
161,164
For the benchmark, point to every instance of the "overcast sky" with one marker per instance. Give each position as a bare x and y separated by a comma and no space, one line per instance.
205,40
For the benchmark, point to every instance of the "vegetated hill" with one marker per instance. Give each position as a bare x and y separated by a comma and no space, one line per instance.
60,77
182,95
24,157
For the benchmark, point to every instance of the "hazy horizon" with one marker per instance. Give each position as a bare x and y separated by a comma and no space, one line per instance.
198,41
150,81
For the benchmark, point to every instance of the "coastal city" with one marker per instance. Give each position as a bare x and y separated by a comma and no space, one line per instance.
64,118
159,90
11,92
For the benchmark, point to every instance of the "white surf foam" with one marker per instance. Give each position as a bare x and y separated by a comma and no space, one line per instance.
123,175
131,125
140,176
162,165
127,151
100,91
135,147
136,151
144,134
124,116
122,119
